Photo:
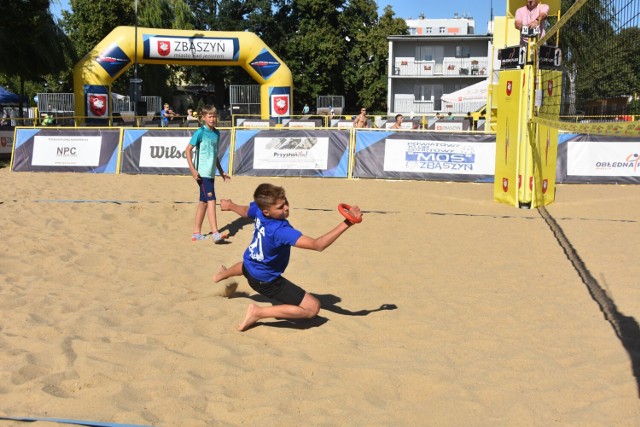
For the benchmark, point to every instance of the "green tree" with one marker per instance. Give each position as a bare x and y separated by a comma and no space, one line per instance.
33,45
316,52
366,74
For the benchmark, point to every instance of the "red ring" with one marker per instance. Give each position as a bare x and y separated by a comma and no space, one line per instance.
344,209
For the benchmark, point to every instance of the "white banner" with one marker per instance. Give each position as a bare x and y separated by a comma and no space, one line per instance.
300,124
163,152
6,141
291,153
66,150
444,125
192,48
587,158
439,157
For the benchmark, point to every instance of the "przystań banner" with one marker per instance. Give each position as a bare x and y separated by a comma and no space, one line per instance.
321,153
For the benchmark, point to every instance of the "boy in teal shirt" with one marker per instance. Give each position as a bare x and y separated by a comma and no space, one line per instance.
203,166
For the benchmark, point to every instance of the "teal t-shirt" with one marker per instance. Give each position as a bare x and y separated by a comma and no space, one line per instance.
204,156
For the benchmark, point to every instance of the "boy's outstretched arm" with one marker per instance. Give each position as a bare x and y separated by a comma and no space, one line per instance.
228,205
323,242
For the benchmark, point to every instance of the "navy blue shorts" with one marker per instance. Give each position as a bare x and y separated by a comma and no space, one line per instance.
207,193
279,289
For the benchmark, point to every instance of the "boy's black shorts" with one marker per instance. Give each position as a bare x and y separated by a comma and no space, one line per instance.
279,289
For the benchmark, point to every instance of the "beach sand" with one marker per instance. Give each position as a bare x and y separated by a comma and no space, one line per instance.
442,307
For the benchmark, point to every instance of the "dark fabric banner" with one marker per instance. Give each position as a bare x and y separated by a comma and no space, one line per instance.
424,156
93,150
319,153
163,151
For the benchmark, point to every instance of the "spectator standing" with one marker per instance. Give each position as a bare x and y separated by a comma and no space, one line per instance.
361,120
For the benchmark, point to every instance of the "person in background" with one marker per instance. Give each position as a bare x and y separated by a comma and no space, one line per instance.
166,114
532,15
305,109
398,123
191,115
361,120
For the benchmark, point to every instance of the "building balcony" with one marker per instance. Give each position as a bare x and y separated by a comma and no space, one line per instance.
450,66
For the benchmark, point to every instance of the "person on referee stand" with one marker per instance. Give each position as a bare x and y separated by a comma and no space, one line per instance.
532,15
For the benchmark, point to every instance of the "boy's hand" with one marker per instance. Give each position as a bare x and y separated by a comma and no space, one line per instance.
353,214
356,213
225,204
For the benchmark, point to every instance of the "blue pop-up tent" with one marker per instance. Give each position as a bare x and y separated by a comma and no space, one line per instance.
8,98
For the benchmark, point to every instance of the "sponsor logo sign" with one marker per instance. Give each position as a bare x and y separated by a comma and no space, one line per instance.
586,158
113,60
505,184
66,150
163,152
265,64
439,157
280,105
6,141
97,103
509,87
448,125
291,153
192,48
301,124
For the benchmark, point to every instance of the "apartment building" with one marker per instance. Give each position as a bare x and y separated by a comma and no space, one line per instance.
438,57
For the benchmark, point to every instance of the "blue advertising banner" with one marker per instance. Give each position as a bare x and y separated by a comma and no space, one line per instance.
424,156
92,150
287,152
163,151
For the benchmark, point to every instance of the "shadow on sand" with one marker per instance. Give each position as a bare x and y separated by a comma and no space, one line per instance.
327,302
626,328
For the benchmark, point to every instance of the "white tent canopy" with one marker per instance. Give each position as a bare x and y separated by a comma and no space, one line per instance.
474,93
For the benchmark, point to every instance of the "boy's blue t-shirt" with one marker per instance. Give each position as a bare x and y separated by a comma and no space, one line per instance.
204,157
267,256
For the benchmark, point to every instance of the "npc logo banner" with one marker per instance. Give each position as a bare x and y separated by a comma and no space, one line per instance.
66,151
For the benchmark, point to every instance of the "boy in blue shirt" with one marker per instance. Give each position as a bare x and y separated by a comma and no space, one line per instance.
202,166
267,256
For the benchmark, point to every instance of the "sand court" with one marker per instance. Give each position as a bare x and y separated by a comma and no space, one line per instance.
441,308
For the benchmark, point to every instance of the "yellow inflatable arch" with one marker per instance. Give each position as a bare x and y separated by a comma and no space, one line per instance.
93,75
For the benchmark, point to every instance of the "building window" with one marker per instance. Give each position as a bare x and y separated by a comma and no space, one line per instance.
462,52
423,92
428,30
412,31
442,30
424,53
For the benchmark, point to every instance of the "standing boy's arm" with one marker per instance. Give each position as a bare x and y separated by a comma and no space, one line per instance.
323,242
192,169
224,176
228,205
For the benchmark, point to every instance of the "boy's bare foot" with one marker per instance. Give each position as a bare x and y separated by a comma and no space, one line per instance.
220,274
250,319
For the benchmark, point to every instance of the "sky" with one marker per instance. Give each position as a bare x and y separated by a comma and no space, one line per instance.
480,10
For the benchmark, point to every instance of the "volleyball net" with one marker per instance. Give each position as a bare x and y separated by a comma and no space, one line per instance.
600,80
